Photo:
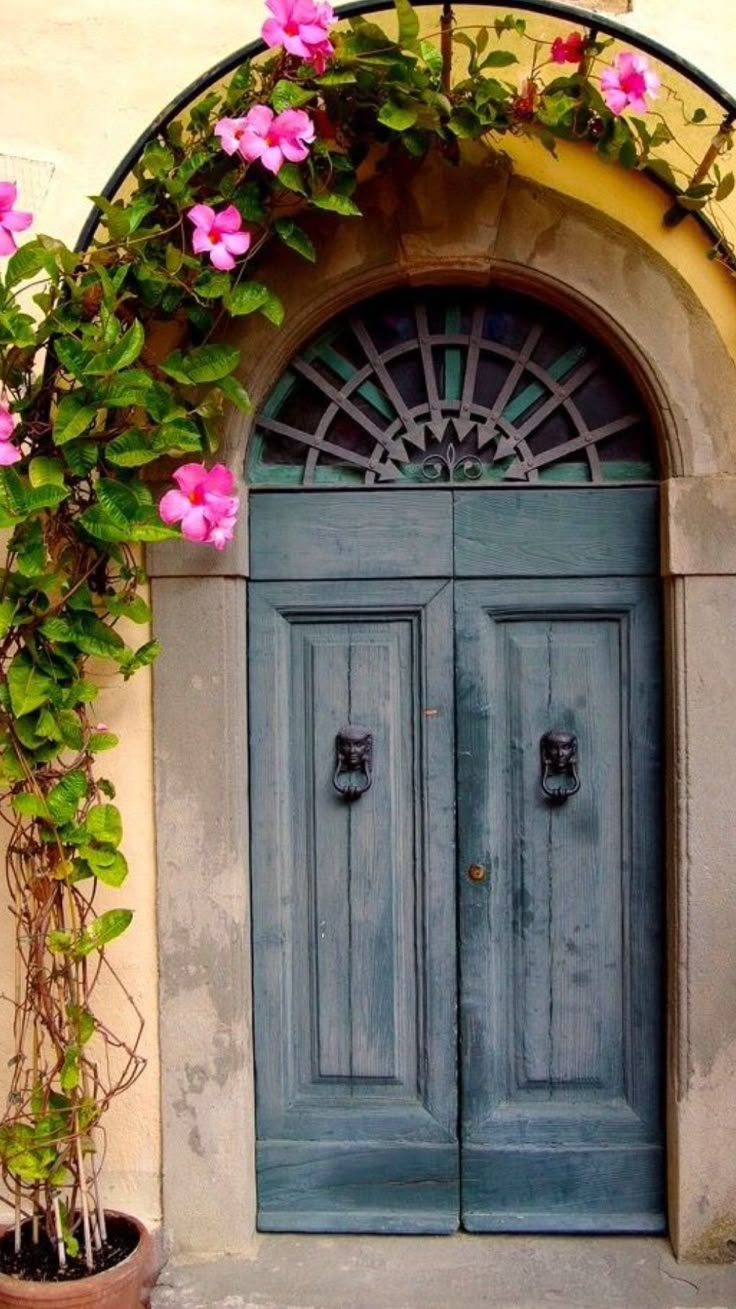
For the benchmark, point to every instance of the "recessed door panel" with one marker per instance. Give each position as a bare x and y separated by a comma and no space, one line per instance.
354,934
560,944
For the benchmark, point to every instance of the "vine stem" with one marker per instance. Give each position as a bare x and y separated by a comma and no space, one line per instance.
446,22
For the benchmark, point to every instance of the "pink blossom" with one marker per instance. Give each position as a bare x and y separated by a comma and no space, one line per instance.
569,51
218,235
9,454
302,28
203,504
275,139
11,220
629,82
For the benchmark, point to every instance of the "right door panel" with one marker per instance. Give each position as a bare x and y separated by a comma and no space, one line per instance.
560,949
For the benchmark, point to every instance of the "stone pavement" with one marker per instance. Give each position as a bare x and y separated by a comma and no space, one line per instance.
456,1272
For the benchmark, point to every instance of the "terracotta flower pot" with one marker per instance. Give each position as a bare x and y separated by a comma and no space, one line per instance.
121,1287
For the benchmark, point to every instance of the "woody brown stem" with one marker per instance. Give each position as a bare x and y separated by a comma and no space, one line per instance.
719,143
446,23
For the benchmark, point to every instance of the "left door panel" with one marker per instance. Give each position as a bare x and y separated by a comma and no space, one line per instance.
353,908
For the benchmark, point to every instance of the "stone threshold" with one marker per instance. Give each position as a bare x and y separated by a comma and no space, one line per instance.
453,1272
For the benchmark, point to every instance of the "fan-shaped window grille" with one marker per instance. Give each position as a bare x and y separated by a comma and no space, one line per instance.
452,386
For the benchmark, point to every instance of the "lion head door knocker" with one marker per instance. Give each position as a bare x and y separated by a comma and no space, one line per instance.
560,778
353,762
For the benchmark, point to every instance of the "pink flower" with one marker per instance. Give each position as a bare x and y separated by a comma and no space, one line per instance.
11,220
301,27
274,139
204,504
230,132
218,235
629,82
569,51
9,454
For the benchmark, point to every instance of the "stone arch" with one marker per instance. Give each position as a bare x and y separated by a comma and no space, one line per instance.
437,225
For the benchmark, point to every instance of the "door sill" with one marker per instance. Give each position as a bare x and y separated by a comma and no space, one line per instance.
432,1272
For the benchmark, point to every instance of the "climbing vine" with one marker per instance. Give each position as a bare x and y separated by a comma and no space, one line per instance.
114,380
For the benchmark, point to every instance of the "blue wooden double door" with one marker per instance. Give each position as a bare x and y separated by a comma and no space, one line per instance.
457,902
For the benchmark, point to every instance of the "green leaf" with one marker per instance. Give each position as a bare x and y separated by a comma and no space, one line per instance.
7,615
408,24
95,638
59,629
73,416
45,497
129,388
46,472
296,238
117,500
28,687
336,204
206,363
104,824
12,491
108,866
123,353
135,609
181,436
725,187
63,799
212,285
289,95
290,176
29,805
144,655
273,310
103,930
83,1021
101,526
337,77
82,456
245,298
398,116
99,741
26,263
59,942
151,531
663,170
129,450
69,1075
70,728
499,59
157,159
236,393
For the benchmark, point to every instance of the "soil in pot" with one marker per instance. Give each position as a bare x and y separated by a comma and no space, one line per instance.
40,1263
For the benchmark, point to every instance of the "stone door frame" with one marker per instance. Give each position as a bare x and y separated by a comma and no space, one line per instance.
436,227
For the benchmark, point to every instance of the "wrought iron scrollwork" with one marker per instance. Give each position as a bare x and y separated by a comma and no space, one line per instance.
453,386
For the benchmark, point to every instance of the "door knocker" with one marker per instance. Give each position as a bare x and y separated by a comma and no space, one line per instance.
559,753
353,762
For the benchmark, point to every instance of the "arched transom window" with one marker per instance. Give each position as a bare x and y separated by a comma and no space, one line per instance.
454,386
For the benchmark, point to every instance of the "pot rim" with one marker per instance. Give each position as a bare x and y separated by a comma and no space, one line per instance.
41,1288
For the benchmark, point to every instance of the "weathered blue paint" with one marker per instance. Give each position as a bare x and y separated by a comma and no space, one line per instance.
561,946
354,908
355,945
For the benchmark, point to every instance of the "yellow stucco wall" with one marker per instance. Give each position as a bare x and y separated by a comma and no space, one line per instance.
81,79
